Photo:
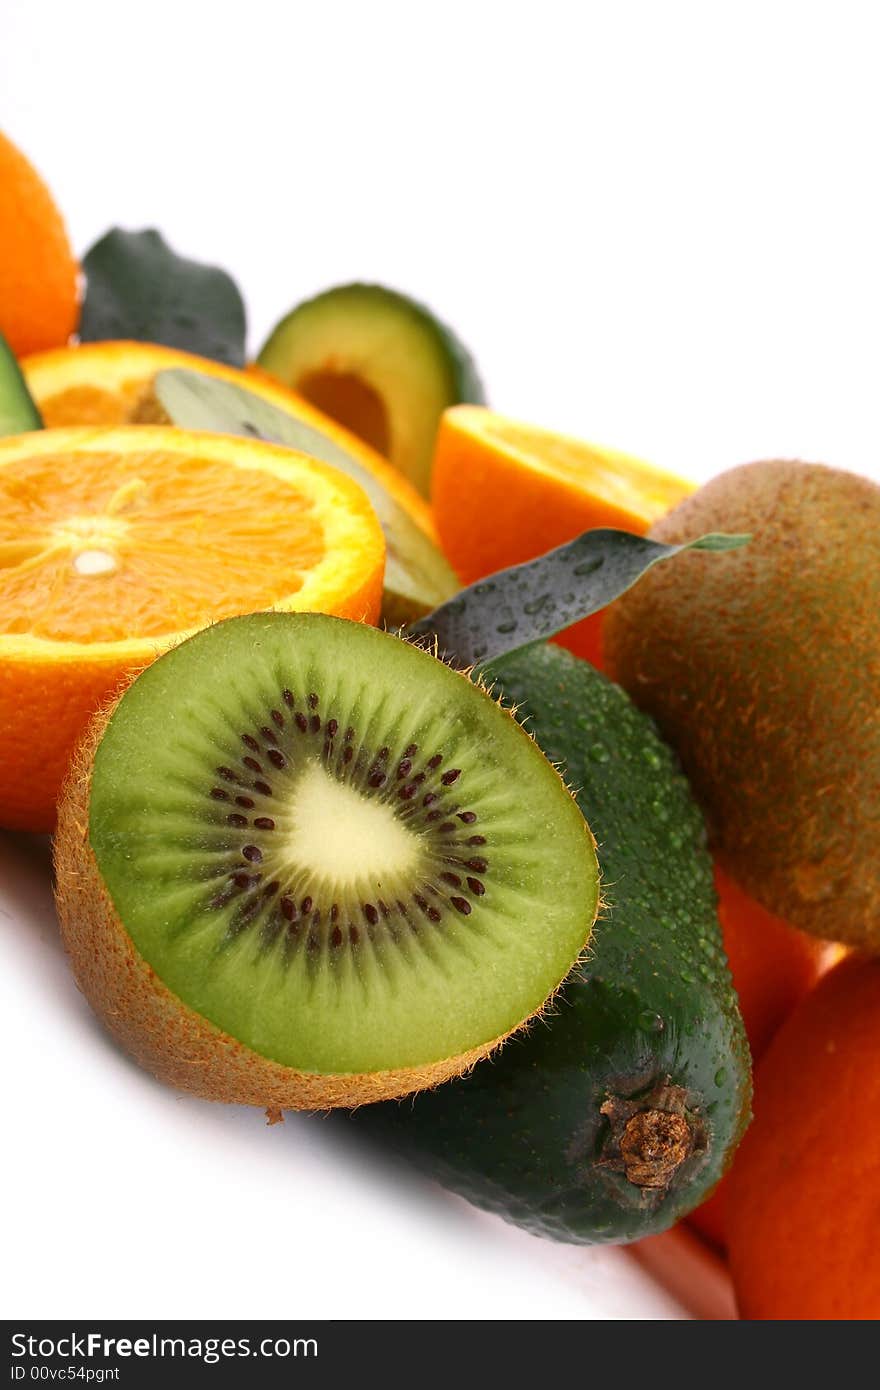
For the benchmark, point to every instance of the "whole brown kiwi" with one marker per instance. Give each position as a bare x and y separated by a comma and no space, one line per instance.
762,668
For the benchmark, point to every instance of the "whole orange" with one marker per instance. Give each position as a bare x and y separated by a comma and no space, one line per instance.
39,275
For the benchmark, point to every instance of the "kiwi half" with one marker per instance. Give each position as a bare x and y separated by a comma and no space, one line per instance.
304,864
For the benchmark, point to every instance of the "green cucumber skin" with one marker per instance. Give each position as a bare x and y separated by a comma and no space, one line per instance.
522,1135
18,414
465,385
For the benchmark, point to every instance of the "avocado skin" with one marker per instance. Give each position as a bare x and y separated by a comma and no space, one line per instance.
18,414
523,1134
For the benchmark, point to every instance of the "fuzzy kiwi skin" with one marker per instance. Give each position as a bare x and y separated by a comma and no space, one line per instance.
648,1022
163,1034
762,668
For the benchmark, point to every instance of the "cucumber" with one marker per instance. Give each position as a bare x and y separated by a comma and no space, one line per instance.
18,414
378,362
620,1110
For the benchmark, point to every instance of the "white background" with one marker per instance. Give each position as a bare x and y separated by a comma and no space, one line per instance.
658,227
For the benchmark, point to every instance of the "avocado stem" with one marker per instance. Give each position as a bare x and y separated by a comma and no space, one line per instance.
652,1135
653,1146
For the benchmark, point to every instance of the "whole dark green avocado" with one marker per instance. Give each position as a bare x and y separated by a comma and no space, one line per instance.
620,1109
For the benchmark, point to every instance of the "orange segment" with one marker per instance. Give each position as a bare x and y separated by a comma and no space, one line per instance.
116,543
111,384
505,492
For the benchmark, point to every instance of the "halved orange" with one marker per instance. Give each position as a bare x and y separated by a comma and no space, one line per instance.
117,543
504,492
111,383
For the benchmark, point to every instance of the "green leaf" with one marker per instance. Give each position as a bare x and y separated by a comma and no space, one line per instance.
138,288
417,577
531,602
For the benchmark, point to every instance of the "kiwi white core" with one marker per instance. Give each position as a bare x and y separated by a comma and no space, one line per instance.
334,834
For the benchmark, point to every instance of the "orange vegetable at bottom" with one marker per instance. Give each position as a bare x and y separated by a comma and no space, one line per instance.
773,967
803,1204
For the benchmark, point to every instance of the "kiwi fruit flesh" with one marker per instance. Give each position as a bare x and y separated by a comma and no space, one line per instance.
302,863
761,668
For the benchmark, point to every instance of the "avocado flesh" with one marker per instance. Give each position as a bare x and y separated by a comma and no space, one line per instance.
378,362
